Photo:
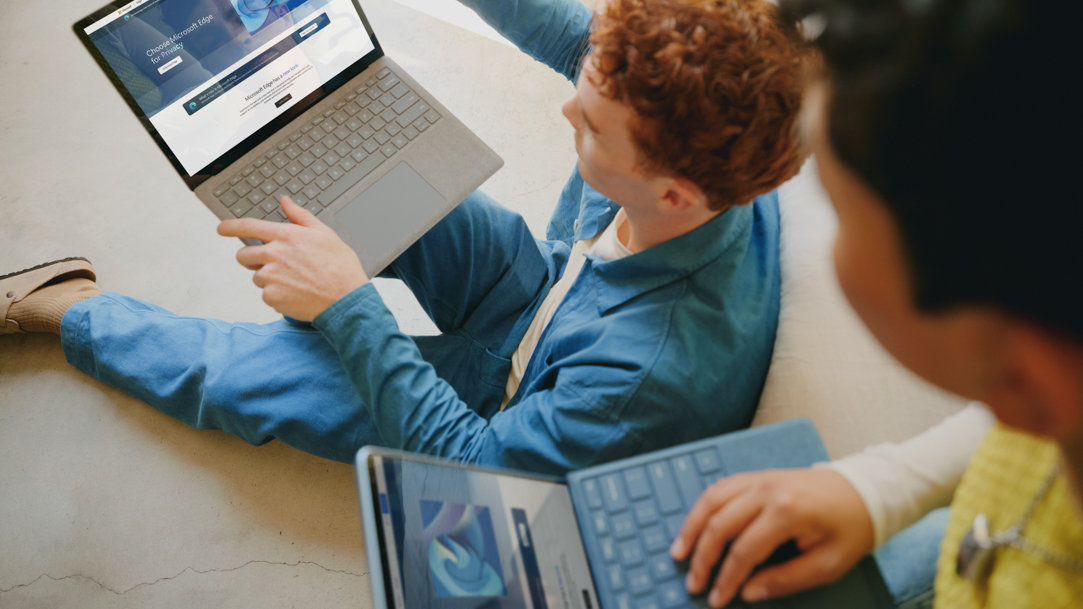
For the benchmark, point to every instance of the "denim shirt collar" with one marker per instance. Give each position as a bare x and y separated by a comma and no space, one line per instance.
664,263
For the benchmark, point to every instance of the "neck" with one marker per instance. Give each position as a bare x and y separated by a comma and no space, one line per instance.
647,229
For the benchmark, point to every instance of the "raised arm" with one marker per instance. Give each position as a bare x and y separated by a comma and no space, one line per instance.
554,32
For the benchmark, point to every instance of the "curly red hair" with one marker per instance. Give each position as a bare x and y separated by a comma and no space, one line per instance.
716,84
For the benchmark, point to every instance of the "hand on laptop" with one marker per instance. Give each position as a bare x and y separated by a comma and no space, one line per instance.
758,512
303,267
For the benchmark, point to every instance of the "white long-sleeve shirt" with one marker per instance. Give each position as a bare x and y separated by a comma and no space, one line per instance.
901,482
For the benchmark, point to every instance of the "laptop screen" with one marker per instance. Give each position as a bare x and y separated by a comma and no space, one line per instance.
452,537
207,75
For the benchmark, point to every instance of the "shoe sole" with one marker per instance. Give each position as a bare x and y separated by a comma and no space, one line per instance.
43,265
10,326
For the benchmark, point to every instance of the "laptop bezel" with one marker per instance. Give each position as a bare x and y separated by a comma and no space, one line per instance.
246,145
369,497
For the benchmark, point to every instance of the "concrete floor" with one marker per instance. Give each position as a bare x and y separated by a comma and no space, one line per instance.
104,502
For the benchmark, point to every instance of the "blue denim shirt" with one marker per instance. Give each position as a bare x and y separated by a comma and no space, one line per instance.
665,346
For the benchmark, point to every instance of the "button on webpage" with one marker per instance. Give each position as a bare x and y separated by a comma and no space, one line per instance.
169,65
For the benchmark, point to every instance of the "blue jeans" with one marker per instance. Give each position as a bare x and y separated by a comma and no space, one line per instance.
477,273
908,560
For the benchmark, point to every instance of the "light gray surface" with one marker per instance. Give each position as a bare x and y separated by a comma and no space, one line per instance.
103,501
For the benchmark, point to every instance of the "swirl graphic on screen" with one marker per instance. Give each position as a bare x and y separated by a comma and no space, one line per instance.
462,552
257,14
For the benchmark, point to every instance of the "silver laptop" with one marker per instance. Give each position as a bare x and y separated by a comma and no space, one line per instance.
255,99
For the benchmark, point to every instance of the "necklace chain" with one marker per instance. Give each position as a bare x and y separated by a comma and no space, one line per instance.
1013,535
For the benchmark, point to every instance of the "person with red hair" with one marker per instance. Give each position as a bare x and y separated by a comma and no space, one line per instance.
645,319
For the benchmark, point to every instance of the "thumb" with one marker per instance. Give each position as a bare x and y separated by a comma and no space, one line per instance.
811,568
297,214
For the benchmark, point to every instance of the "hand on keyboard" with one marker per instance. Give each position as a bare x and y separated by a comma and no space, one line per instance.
303,267
755,513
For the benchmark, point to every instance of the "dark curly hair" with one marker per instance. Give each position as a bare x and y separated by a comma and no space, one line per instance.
717,85
959,114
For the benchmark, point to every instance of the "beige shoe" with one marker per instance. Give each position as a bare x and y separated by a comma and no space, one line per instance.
16,287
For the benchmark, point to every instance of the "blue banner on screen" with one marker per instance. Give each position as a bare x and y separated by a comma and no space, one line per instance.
210,73
258,14
166,48
254,66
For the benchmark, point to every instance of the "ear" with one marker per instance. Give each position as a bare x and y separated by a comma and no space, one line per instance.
680,195
1042,391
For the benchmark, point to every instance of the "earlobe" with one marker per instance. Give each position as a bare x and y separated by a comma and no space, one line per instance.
680,195
1042,390
672,201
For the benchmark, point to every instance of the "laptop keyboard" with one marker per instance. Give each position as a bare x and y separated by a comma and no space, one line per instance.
636,513
323,157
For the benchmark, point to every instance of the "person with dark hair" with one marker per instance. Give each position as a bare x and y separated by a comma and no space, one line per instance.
553,354
936,128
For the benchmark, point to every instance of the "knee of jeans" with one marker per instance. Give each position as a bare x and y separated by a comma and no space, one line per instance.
239,409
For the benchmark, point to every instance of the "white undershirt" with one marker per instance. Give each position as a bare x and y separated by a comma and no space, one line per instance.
900,483
606,246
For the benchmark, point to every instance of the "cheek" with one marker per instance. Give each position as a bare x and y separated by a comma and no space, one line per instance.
846,257
850,277
870,274
588,154
873,275
870,293
928,348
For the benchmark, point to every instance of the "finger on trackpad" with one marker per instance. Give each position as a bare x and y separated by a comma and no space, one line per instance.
389,216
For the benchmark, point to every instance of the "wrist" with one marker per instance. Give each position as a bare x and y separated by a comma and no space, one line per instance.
853,509
347,308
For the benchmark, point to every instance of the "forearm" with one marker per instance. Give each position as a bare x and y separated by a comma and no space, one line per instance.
554,32
900,483
550,431
413,408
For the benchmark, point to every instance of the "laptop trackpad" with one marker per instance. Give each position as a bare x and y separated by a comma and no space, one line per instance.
389,216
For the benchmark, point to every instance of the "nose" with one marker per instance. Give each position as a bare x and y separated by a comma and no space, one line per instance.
570,109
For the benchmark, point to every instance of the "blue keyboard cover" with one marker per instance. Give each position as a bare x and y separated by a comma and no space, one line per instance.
629,512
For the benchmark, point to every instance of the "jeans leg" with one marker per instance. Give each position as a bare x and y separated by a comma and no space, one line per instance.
478,271
908,560
258,382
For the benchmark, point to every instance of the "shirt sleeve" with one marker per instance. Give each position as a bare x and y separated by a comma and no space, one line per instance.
900,483
552,431
554,32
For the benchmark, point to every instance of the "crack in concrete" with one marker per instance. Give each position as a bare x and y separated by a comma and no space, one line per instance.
182,572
